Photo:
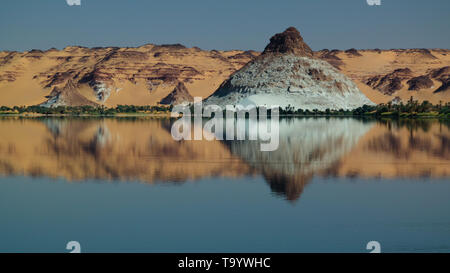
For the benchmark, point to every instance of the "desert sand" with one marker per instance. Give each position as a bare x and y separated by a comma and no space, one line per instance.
369,63
144,75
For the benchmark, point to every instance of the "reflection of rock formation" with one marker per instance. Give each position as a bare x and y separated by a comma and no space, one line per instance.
143,150
307,147
415,148
109,149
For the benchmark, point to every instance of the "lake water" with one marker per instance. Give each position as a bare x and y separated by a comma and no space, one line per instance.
124,185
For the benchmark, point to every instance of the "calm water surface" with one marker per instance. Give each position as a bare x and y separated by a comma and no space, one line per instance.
124,185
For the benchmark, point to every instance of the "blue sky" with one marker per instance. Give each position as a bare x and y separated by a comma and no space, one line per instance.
225,24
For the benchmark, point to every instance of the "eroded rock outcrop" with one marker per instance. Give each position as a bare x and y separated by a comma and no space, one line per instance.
180,95
442,75
112,75
288,42
353,52
67,95
391,82
146,74
287,74
444,87
365,66
421,82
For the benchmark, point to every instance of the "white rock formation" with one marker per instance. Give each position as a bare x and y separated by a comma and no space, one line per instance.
286,74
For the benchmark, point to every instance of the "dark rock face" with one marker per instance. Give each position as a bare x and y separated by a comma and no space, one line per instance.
390,83
353,52
34,54
377,50
289,41
178,96
419,52
421,82
442,75
60,78
173,46
444,87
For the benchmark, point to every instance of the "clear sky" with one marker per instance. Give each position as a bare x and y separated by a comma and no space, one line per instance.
224,24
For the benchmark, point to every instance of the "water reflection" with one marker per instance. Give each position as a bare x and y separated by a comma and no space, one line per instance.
141,149
307,147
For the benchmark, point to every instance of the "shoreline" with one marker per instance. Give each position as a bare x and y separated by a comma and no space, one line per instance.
168,115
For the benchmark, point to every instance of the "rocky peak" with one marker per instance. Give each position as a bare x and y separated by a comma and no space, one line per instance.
289,41
67,96
179,95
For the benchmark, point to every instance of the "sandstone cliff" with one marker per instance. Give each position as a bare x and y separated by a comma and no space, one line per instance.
111,76
383,75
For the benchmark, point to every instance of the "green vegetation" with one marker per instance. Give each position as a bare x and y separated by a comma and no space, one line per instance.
412,109
85,110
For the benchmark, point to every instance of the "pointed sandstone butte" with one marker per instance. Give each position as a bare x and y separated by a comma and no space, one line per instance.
289,41
288,75
179,95
68,95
